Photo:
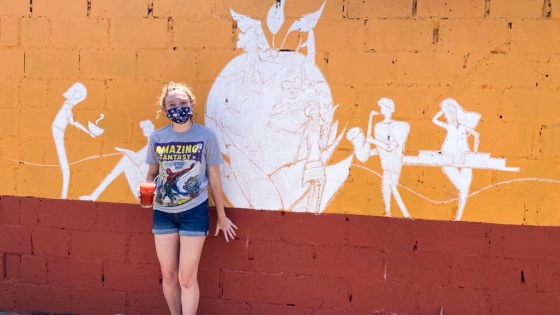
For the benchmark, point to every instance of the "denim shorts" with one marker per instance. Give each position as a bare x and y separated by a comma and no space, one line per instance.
192,222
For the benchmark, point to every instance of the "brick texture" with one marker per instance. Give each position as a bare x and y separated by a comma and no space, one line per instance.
500,58
362,265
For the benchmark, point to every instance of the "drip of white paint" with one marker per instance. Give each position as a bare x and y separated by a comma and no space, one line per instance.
385,272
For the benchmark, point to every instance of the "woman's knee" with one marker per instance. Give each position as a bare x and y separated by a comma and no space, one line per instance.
188,279
169,276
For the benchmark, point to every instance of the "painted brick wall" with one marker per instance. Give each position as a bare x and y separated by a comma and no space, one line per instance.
497,57
500,57
99,258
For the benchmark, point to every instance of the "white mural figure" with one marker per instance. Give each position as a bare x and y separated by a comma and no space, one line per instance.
75,94
456,157
459,125
132,165
314,173
272,112
389,138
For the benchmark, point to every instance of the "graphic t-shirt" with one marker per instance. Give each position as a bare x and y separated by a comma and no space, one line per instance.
182,158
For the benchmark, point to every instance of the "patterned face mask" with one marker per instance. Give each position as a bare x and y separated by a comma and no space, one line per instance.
179,115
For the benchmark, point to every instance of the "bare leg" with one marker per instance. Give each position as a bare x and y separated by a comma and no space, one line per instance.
115,172
312,199
134,176
316,186
167,249
466,175
461,179
63,162
386,192
454,175
394,182
191,248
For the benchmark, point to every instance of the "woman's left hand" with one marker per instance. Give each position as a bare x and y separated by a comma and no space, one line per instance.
227,227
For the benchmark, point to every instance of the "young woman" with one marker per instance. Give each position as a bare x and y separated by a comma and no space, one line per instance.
460,125
184,159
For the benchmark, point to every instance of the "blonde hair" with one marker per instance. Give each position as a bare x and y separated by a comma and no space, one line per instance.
172,86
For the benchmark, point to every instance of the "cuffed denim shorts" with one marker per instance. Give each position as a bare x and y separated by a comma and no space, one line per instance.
192,222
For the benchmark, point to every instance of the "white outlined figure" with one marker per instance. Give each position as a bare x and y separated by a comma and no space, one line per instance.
459,125
456,157
75,94
132,164
389,138
314,170
272,112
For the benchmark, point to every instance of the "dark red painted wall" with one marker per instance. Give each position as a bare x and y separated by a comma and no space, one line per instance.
99,258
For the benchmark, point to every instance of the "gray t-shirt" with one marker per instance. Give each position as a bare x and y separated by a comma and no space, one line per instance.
183,158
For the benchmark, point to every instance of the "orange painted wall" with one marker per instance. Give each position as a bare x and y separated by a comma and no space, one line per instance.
496,57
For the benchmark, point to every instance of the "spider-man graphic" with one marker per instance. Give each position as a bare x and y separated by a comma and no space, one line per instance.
170,185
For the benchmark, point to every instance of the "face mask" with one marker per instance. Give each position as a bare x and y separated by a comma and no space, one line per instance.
179,115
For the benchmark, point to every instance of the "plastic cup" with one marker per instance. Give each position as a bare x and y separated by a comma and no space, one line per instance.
147,191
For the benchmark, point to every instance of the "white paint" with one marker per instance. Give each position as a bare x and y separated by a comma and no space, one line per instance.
101,116
92,157
385,271
93,128
275,18
389,138
526,179
455,157
272,112
75,94
132,165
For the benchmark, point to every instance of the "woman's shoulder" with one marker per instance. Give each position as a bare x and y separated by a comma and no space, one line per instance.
204,129
160,133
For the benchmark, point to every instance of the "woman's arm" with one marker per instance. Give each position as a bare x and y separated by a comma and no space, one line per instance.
153,172
383,145
216,187
223,223
438,122
476,136
370,123
76,124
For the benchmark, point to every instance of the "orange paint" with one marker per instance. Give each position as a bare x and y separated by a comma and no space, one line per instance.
497,58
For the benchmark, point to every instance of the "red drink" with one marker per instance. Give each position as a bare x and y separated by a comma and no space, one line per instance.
147,190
